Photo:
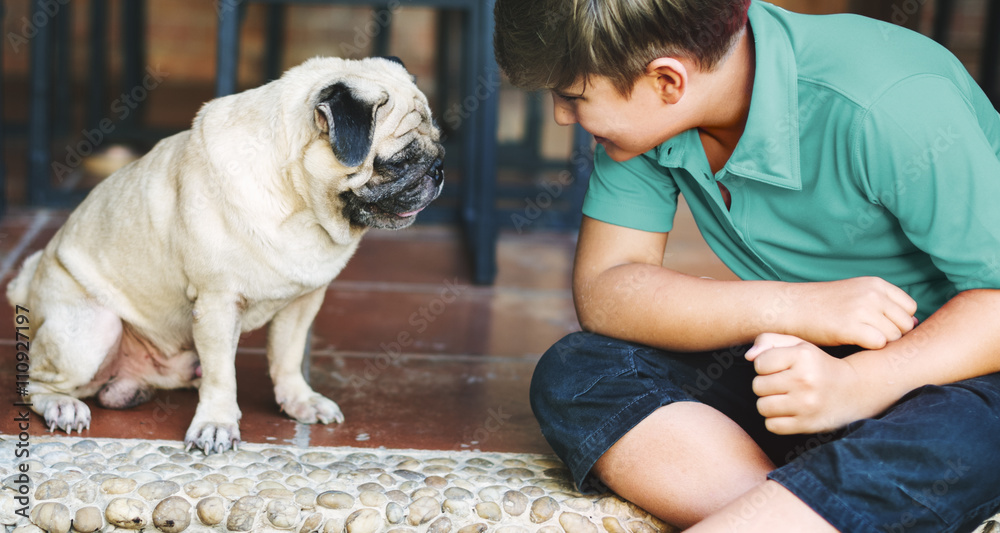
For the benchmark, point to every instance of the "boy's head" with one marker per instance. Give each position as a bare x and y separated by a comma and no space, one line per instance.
552,44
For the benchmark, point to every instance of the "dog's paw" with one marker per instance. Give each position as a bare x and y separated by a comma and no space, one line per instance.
312,409
64,412
212,437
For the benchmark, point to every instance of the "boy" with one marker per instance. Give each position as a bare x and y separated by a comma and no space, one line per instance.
848,172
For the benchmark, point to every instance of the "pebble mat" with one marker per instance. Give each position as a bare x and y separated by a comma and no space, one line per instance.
88,485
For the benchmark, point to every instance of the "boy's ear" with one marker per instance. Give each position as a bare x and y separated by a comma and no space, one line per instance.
670,77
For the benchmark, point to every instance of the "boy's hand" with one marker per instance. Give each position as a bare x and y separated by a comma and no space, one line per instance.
868,312
802,389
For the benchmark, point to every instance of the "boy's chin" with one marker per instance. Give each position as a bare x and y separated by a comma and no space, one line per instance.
617,154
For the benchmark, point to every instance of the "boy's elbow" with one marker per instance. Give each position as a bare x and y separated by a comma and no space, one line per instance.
592,318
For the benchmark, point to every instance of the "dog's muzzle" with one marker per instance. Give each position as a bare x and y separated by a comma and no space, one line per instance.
407,188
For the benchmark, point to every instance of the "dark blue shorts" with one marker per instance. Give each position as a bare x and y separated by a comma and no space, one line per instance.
930,463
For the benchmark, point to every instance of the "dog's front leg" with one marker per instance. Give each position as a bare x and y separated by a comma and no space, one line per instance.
216,330
286,342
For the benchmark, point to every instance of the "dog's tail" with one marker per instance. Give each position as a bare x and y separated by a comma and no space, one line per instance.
17,289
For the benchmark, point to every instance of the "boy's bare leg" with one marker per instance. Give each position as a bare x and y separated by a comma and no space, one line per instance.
768,508
683,463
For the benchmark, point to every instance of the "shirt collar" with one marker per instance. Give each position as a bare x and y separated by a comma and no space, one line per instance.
768,151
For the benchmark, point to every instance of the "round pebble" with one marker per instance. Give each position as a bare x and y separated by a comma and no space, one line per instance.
456,493
576,523
243,513
118,485
583,505
127,513
473,528
458,508
282,514
88,519
312,523
394,513
217,479
335,499
543,509
52,489
232,491
613,525
441,525
491,494
211,511
422,510
489,511
638,526
277,494
370,498
52,517
425,492
199,488
158,490
172,515
306,497
364,521
398,496
85,491
436,482
514,502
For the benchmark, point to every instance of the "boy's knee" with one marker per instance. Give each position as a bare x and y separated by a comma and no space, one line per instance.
569,367
554,365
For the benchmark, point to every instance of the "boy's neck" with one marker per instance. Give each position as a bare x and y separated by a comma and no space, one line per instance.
728,104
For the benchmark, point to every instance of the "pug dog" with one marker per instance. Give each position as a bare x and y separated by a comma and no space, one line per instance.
241,221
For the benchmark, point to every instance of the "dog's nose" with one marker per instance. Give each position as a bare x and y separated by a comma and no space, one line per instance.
436,171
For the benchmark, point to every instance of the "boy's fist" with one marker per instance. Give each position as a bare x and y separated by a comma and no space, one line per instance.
802,389
868,312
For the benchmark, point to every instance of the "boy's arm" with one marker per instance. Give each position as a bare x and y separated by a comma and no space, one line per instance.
804,390
622,290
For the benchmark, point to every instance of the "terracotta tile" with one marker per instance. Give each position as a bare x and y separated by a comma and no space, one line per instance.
535,261
426,322
439,403
418,254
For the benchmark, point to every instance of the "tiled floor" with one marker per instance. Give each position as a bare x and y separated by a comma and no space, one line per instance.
462,384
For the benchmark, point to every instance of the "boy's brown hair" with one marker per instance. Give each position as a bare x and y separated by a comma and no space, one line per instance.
551,44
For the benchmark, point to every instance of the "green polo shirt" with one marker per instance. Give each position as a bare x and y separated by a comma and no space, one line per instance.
868,151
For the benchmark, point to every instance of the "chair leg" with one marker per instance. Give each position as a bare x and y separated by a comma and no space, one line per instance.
990,68
39,120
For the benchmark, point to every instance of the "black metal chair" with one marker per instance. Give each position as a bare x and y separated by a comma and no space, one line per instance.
49,95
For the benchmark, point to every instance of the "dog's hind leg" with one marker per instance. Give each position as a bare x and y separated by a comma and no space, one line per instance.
286,342
66,353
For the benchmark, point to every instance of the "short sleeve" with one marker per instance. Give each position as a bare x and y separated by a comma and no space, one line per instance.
924,154
638,193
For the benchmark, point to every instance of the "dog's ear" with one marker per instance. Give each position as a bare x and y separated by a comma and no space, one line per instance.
395,59
349,121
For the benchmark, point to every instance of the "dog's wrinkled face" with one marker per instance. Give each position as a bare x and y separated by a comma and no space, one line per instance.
380,130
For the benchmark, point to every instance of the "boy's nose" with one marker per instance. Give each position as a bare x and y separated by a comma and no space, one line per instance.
564,116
